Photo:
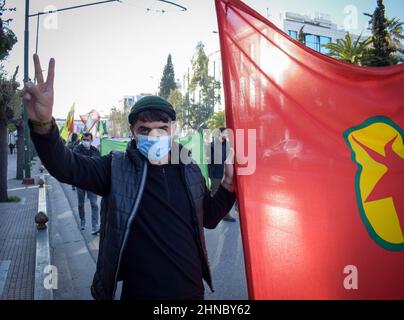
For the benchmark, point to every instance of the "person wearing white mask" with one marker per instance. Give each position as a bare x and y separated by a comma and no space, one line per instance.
86,149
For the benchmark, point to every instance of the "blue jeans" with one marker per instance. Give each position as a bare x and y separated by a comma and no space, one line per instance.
94,207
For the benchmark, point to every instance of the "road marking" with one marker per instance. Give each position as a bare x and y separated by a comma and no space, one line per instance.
22,188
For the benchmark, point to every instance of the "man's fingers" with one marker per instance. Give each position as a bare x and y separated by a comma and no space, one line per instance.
51,72
27,96
38,69
33,90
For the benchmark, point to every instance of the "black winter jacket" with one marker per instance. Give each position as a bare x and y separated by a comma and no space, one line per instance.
92,152
120,178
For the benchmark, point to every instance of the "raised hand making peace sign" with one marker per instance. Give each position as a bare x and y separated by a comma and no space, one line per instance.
39,97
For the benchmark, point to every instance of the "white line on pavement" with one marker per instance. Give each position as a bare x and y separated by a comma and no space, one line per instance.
22,188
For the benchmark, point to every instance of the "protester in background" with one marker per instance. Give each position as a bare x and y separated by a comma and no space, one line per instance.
219,150
73,143
11,146
11,142
86,149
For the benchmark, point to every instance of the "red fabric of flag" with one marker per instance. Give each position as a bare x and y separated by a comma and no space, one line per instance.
322,215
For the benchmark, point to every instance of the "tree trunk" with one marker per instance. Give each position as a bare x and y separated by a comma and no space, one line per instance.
3,161
20,151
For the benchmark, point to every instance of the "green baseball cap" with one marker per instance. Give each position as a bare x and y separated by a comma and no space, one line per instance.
151,103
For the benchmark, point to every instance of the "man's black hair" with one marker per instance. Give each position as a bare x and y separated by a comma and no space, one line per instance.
151,115
74,137
88,134
222,129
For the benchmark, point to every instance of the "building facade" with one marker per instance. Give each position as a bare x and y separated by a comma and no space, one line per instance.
129,101
318,31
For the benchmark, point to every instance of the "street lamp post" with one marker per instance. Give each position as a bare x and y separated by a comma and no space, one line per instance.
27,179
27,170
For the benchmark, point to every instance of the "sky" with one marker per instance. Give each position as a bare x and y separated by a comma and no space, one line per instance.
107,51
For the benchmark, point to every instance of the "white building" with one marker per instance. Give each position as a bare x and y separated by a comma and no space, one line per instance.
129,101
318,30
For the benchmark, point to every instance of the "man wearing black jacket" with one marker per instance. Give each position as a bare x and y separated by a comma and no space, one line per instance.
155,205
86,149
219,149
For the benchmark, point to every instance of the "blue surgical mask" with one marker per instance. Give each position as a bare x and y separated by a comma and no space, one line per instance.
154,148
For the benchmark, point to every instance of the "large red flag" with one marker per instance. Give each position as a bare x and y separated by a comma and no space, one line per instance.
322,215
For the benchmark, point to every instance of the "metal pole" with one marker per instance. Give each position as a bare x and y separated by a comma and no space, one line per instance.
27,168
37,34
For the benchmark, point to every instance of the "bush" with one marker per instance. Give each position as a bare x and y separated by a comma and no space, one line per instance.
14,199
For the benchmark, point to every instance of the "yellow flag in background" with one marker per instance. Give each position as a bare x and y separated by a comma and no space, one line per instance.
69,124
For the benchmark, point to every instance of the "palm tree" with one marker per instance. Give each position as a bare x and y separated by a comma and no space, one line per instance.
301,35
395,34
387,37
350,50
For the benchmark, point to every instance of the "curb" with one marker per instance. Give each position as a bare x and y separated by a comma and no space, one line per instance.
43,268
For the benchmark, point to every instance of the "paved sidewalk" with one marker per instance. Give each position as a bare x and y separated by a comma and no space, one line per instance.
18,238
69,249
91,240
12,166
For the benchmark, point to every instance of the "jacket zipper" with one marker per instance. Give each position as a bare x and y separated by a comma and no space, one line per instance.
205,264
131,217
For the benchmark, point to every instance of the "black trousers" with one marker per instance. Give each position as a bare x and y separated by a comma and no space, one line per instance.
129,294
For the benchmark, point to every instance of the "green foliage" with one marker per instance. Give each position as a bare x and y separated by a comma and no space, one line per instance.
200,68
14,199
203,91
387,35
8,97
167,83
7,37
176,100
395,37
352,51
301,36
186,107
217,120
382,48
198,115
